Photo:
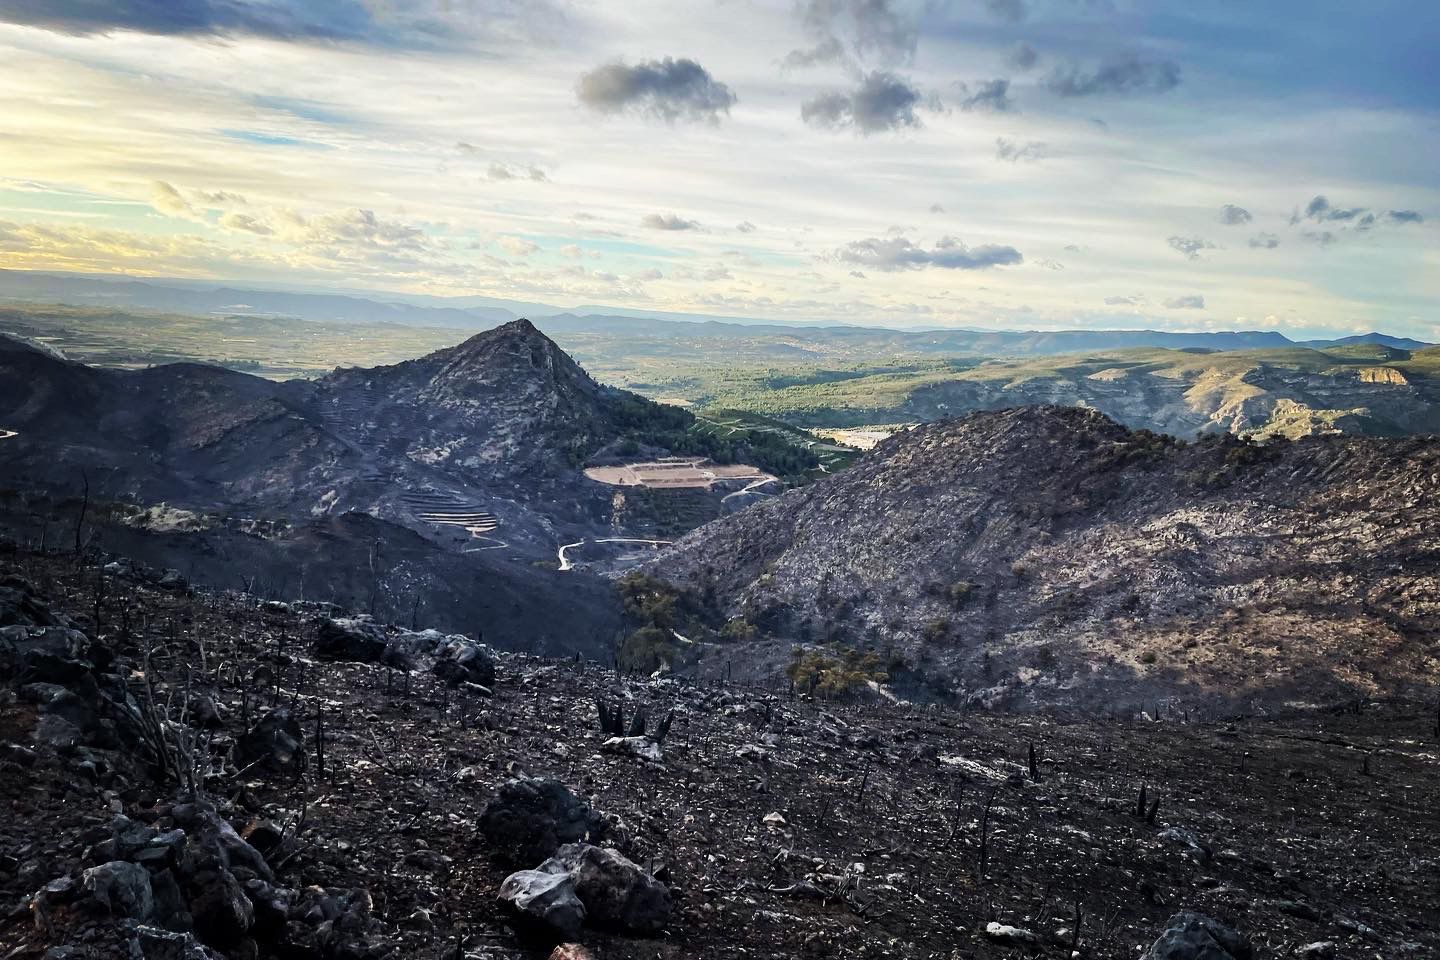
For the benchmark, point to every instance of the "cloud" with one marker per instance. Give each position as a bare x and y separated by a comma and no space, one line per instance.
245,223
1233,216
1320,210
668,221
1124,301
1191,247
280,21
1264,241
667,90
1118,75
1011,11
169,201
717,273
1023,57
899,253
828,50
1190,302
882,101
879,30
936,208
517,246
1405,216
991,96
499,171
1015,152
416,23
745,226
1321,238
650,274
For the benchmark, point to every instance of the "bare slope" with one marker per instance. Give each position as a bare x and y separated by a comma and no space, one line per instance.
1050,556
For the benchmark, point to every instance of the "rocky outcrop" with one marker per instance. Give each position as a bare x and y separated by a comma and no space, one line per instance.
528,819
1191,936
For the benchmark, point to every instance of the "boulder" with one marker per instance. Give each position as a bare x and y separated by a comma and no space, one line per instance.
459,660
123,889
158,944
528,819
22,606
1193,936
615,891
359,639
641,747
545,900
274,745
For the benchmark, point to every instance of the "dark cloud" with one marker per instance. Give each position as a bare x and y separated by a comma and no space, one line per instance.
1023,57
882,101
1119,75
1353,219
882,30
745,226
1012,11
937,208
1190,302
1015,152
1191,247
827,50
1234,216
899,253
667,90
990,96
1321,210
1264,241
668,221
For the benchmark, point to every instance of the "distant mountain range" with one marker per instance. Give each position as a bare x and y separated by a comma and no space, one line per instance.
477,313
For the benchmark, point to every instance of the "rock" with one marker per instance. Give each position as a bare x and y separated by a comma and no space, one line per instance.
641,747
219,906
571,951
21,605
459,660
274,745
174,581
359,639
157,944
775,821
121,888
1192,936
545,899
1011,936
528,819
753,752
1319,950
615,891
1190,840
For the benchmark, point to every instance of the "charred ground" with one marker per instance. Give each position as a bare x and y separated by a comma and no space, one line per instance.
902,832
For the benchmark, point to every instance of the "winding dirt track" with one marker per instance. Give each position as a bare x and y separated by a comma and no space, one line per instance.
565,563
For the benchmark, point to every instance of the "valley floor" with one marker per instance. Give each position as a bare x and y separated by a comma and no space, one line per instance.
901,832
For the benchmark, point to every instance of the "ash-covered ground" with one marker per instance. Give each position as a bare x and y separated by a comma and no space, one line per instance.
195,775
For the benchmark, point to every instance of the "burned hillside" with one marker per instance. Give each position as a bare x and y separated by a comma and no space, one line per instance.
206,775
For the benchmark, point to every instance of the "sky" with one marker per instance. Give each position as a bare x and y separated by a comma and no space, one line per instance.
1032,164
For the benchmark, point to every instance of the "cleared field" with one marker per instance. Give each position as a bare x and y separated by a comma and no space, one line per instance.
675,474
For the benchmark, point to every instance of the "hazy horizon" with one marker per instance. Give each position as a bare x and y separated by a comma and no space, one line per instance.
988,164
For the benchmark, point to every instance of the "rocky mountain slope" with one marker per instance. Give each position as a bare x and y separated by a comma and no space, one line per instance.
208,776
1049,556
393,487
